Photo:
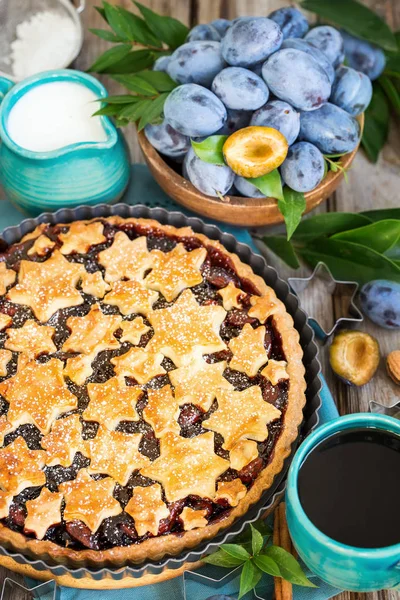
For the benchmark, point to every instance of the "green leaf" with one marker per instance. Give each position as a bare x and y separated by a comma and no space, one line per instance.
267,565
282,248
109,111
110,57
393,59
117,22
222,559
153,111
380,236
101,12
249,578
292,207
391,92
210,149
381,214
329,223
376,127
261,525
133,112
355,18
236,551
135,61
124,99
348,261
169,30
104,34
140,31
288,566
269,184
161,81
137,84
257,540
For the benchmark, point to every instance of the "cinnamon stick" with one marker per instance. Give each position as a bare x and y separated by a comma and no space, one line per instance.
276,542
281,537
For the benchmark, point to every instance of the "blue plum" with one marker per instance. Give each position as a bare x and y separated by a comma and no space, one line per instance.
331,129
221,25
278,115
291,21
250,40
329,41
363,56
212,180
297,78
161,64
167,140
352,90
380,302
196,62
247,189
203,32
237,119
303,168
194,111
319,56
240,89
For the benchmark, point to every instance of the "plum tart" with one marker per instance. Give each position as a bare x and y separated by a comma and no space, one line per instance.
151,387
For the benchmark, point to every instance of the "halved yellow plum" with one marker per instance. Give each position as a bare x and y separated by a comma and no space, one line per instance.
354,356
255,151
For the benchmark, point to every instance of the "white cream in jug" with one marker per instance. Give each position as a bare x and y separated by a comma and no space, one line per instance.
54,115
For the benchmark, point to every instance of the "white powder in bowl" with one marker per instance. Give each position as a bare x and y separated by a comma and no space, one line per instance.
44,41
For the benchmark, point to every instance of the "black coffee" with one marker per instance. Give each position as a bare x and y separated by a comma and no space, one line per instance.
349,487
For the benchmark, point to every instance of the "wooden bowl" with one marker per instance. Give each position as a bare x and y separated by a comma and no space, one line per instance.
235,210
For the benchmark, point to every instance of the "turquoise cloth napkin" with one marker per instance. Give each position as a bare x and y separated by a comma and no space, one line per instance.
144,190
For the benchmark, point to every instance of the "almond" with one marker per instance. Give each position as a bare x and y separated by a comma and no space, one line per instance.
393,366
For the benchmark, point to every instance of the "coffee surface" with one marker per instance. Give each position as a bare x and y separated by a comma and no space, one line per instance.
349,487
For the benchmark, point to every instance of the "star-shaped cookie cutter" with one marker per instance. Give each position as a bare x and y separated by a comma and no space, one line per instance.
393,410
45,591
216,581
344,290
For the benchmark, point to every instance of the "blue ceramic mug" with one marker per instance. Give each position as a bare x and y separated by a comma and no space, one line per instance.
345,567
81,173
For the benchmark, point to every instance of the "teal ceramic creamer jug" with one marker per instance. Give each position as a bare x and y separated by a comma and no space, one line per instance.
346,567
86,172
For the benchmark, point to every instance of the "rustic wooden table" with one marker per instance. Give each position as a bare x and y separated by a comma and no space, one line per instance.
370,186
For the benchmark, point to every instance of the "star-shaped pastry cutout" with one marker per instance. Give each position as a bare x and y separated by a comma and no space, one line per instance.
92,333
79,368
147,508
38,394
162,411
263,307
243,453
241,415
275,370
176,270
89,501
198,382
5,357
21,467
116,453
64,441
131,297
139,364
41,246
232,491
94,284
5,502
43,512
230,296
80,237
5,321
7,277
192,518
249,353
186,330
187,466
35,233
48,286
31,338
125,258
112,402
5,428
132,331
